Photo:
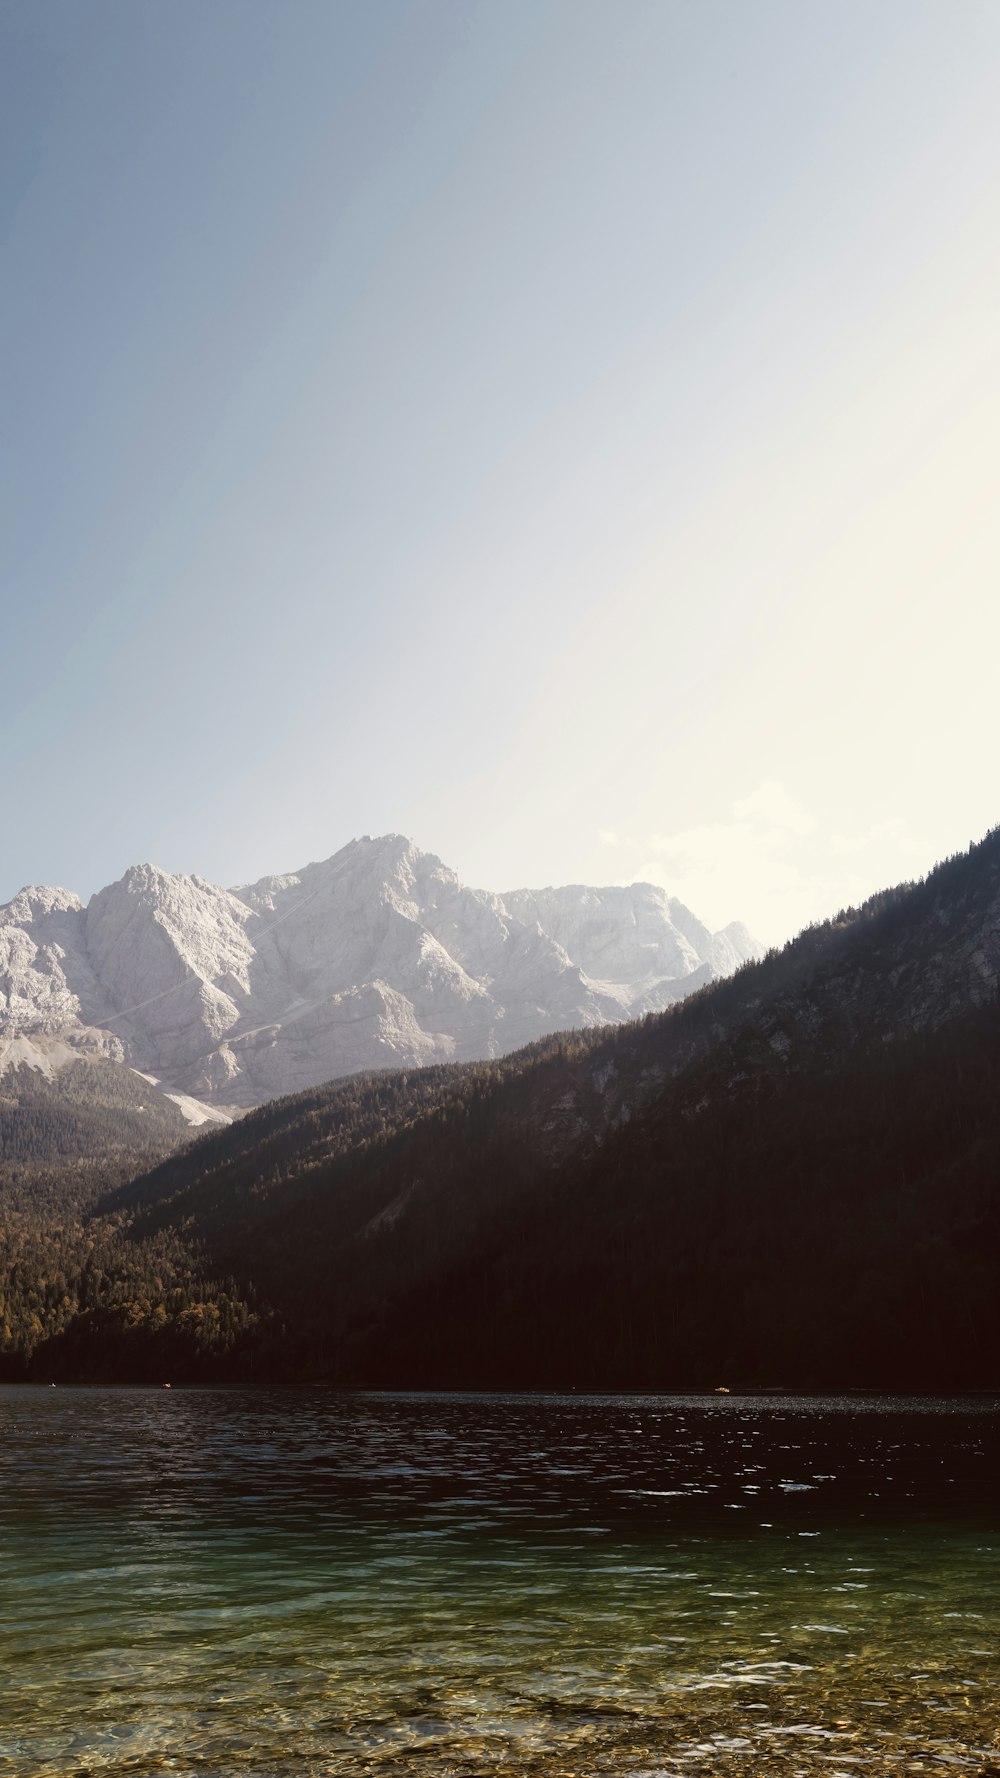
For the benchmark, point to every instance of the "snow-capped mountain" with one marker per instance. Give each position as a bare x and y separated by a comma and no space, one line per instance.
378,957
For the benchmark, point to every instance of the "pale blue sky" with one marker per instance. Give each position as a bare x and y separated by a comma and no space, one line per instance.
566,433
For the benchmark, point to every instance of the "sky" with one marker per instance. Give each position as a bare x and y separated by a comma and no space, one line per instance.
565,433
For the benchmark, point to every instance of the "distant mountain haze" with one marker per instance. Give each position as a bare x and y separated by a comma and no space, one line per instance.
377,957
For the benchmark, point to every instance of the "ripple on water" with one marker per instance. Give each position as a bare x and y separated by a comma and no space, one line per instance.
304,1583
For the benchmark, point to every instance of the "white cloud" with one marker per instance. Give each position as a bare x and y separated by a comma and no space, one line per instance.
771,809
740,868
894,831
770,864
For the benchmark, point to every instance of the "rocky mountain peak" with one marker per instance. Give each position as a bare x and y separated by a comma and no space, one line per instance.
377,956
35,901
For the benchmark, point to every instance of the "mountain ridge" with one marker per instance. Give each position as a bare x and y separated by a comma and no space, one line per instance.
377,955
792,1176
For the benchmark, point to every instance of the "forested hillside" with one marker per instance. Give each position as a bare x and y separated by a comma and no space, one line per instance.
81,1284
792,1178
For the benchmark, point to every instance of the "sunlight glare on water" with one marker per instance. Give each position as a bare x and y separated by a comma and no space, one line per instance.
303,1582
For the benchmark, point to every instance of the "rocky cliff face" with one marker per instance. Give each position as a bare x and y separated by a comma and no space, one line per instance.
377,957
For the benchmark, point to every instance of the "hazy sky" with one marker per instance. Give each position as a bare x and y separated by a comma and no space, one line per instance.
566,433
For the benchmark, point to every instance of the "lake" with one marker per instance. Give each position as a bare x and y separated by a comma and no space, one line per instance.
307,1582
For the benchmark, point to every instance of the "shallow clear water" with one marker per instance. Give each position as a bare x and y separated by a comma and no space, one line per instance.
298,1583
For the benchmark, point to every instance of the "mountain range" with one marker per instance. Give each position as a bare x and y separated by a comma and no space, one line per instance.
378,957
791,1177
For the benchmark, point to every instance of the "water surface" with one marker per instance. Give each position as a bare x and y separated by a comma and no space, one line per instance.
231,1582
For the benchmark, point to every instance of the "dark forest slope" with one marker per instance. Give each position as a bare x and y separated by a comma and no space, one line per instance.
71,1277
